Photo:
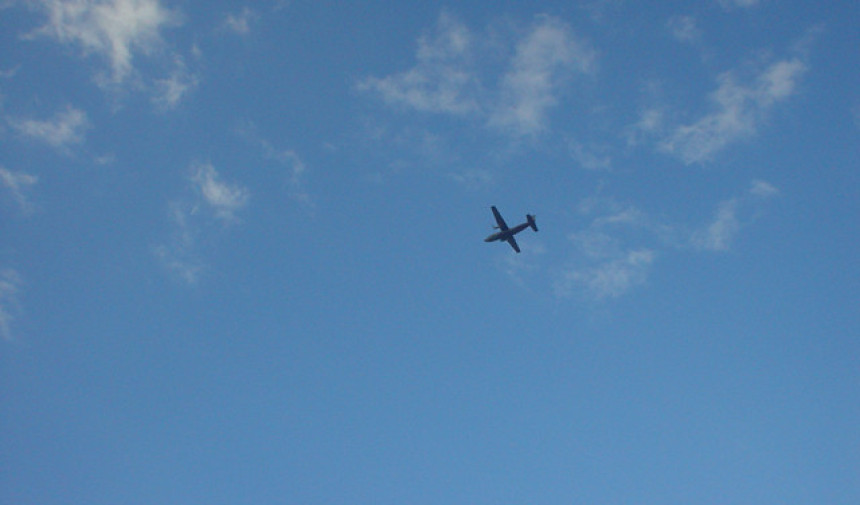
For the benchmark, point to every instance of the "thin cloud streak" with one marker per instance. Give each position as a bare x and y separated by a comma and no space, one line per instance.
170,91
446,78
10,282
684,28
16,184
738,111
609,279
617,250
442,80
64,129
213,201
296,168
731,217
241,23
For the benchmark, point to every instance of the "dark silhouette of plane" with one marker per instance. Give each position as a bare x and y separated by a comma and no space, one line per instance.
506,234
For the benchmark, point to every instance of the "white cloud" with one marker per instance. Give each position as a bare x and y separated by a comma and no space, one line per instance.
10,283
116,30
738,111
12,72
613,254
616,251
720,233
179,254
728,4
650,124
223,198
684,28
288,158
214,202
446,78
441,81
16,183
241,23
171,90
763,189
609,278
65,128
590,158
542,62
473,178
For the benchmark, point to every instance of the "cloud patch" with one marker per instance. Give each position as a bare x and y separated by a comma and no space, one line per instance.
16,184
241,23
169,91
610,278
738,109
446,78
742,4
684,28
115,30
10,283
119,34
542,63
613,254
443,79
222,198
287,158
66,128
213,205
730,217
616,252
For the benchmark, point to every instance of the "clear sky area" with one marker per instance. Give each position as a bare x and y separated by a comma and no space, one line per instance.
242,254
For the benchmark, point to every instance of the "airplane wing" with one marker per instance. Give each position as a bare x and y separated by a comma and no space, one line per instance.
513,243
499,221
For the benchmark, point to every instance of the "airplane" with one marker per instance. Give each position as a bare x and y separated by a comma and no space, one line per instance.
507,234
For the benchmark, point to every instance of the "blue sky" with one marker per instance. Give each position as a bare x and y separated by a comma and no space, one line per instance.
242,257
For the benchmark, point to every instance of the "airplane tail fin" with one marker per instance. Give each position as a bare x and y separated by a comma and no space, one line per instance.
531,219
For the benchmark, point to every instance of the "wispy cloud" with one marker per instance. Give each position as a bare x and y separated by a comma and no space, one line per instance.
443,78
613,254
212,201
684,28
115,30
241,23
64,129
287,158
473,177
543,61
590,157
609,278
170,91
222,198
650,124
738,110
731,216
119,33
179,254
718,235
729,4
616,251
17,184
447,77
10,282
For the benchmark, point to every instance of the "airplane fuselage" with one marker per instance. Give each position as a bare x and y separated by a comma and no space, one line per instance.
506,234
